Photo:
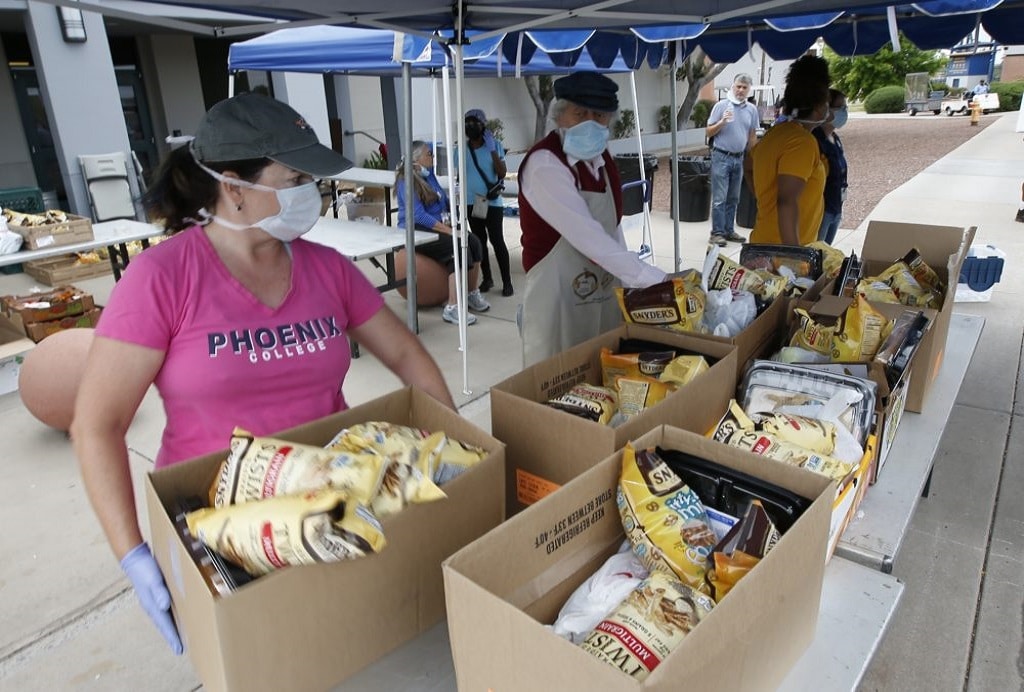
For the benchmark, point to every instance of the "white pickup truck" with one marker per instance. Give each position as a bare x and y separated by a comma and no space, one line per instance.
989,102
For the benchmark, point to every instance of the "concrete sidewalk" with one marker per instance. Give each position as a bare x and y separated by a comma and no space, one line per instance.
71,619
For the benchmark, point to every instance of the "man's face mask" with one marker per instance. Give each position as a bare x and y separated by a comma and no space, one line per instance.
585,140
474,129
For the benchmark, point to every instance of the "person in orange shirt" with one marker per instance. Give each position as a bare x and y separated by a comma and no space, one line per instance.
786,166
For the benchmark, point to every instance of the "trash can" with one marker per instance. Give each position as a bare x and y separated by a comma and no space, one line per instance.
694,188
629,171
746,209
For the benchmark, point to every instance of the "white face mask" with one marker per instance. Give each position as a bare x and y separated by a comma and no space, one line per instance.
300,208
585,140
734,99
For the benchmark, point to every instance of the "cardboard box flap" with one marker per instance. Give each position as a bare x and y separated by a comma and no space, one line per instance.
889,241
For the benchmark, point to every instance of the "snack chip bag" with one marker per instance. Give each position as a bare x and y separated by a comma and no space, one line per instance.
726,273
812,335
587,401
742,548
663,518
648,625
443,464
810,433
877,291
676,304
637,393
909,289
318,526
863,329
831,258
403,484
683,369
649,364
262,467
736,429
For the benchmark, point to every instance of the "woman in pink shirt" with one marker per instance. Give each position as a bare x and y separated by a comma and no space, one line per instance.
235,318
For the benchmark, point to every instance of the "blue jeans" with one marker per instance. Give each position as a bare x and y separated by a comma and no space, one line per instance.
829,226
726,179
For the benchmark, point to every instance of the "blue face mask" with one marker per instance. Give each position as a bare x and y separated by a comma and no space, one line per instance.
586,140
839,117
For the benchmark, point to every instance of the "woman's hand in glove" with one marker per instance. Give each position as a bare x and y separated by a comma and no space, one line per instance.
489,141
144,574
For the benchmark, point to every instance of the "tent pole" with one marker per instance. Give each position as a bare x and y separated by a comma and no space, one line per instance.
463,246
410,213
647,241
674,163
453,205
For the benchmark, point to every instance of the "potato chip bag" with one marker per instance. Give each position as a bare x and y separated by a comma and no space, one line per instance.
831,258
683,369
812,335
810,433
443,464
587,401
403,484
877,291
736,429
261,467
676,304
910,291
649,364
638,393
725,273
863,329
455,459
663,518
728,570
318,526
924,274
648,625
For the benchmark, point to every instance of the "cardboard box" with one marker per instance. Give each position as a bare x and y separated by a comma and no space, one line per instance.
77,229
547,447
37,331
13,347
307,628
944,249
503,588
54,271
49,305
849,495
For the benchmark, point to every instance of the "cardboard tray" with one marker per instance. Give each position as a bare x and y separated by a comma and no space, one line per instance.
307,628
77,229
37,307
503,588
54,271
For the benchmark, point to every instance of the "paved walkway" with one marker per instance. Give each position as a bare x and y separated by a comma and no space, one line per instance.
70,619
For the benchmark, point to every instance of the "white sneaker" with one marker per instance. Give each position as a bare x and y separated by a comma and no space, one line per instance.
451,314
477,303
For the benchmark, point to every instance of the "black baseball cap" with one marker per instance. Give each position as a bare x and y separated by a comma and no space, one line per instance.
253,126
590,90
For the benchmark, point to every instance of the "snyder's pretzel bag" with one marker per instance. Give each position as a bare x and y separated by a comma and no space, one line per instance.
648,625
649,364
637,393
663,518
261,536
587,401
677,304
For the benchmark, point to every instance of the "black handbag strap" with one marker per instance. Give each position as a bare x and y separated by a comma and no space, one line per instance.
483,176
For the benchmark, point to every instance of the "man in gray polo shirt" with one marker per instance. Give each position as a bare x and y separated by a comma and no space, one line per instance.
733,125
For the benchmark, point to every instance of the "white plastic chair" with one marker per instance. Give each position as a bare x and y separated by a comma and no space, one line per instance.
110,193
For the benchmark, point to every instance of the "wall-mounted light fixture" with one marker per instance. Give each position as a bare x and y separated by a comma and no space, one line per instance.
72,24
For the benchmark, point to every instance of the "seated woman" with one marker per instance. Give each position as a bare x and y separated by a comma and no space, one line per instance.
430,213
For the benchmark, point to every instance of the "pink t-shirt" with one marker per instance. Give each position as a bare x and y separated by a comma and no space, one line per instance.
229,359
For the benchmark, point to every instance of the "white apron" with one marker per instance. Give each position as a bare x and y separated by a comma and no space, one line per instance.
568,298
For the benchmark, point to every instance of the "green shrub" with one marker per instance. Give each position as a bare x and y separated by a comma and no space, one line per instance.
939,85
625,125
701,111
1009,94
889,99
665,119
375,160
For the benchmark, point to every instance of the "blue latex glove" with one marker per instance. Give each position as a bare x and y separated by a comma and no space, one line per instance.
140,567
489,141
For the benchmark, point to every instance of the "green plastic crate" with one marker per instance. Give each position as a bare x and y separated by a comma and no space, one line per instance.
28,200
